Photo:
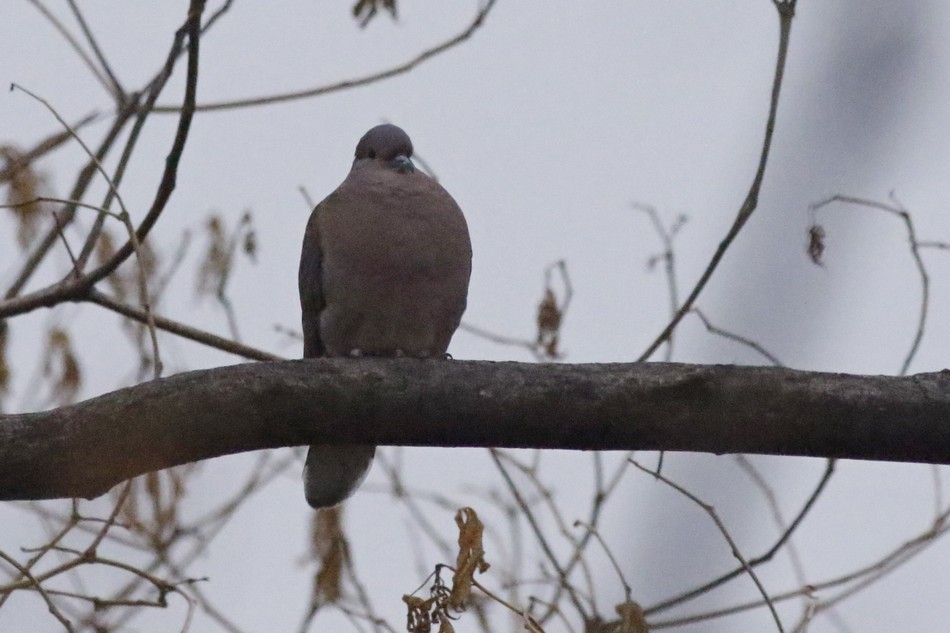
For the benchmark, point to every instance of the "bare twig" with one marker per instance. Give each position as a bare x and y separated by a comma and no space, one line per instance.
737,338
786,11
767,556
551,313
500,339
58,25
403,68
711,511
77,288
759,480
185,331
627,592
116,88
539,535
82,183
72,132
48,144
36,584
898,210
667,256
862,578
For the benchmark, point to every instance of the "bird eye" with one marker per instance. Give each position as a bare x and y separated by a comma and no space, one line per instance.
372,153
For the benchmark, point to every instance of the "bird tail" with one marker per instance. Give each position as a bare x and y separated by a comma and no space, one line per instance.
333,473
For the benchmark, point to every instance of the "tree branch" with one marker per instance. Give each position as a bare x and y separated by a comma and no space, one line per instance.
317,91
786,11
75,288
85,449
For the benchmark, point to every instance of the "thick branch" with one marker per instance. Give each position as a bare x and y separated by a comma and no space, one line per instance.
84,449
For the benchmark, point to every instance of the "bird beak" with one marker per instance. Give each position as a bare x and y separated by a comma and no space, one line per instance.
403,163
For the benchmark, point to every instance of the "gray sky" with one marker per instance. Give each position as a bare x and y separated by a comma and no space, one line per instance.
545,127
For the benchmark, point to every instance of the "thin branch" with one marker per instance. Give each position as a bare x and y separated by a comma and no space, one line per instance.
786,11
90,64
539,535
82,183
62,236
117,91
500,339
77,288
530,624
48,144
62,201
668,257
36,584
767,556
349,83
185,331
772,499
712,329
72,132
862,577
711,511
191,29
577,556
627,592
899,211
123,217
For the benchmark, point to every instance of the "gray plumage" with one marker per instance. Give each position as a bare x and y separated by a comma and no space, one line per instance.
384,272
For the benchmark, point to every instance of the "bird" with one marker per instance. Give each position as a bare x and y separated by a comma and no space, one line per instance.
384,271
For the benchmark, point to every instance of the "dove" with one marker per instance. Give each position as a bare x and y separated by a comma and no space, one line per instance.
384,271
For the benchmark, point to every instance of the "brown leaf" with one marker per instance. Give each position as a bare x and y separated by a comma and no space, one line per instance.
24,186
370,7
445,625
331,549
216,263
105,249
549,323
219,257
151,509
417,619
124,282
631,618
816,243
471,557
250,236
61,366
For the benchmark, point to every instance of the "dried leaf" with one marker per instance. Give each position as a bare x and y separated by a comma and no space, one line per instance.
530,624
152,507
219,258
330,547
105,249
250,236
124,282
471,557
23,187
61,367
417,618
4,366
816,243
549,323
370,8
597,625
216,263
631,618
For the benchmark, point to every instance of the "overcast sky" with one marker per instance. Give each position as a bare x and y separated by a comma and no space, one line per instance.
546,126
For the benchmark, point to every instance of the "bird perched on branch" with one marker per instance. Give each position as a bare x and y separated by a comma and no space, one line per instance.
384,272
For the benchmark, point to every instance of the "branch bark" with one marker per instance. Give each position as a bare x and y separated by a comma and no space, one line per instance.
84,449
